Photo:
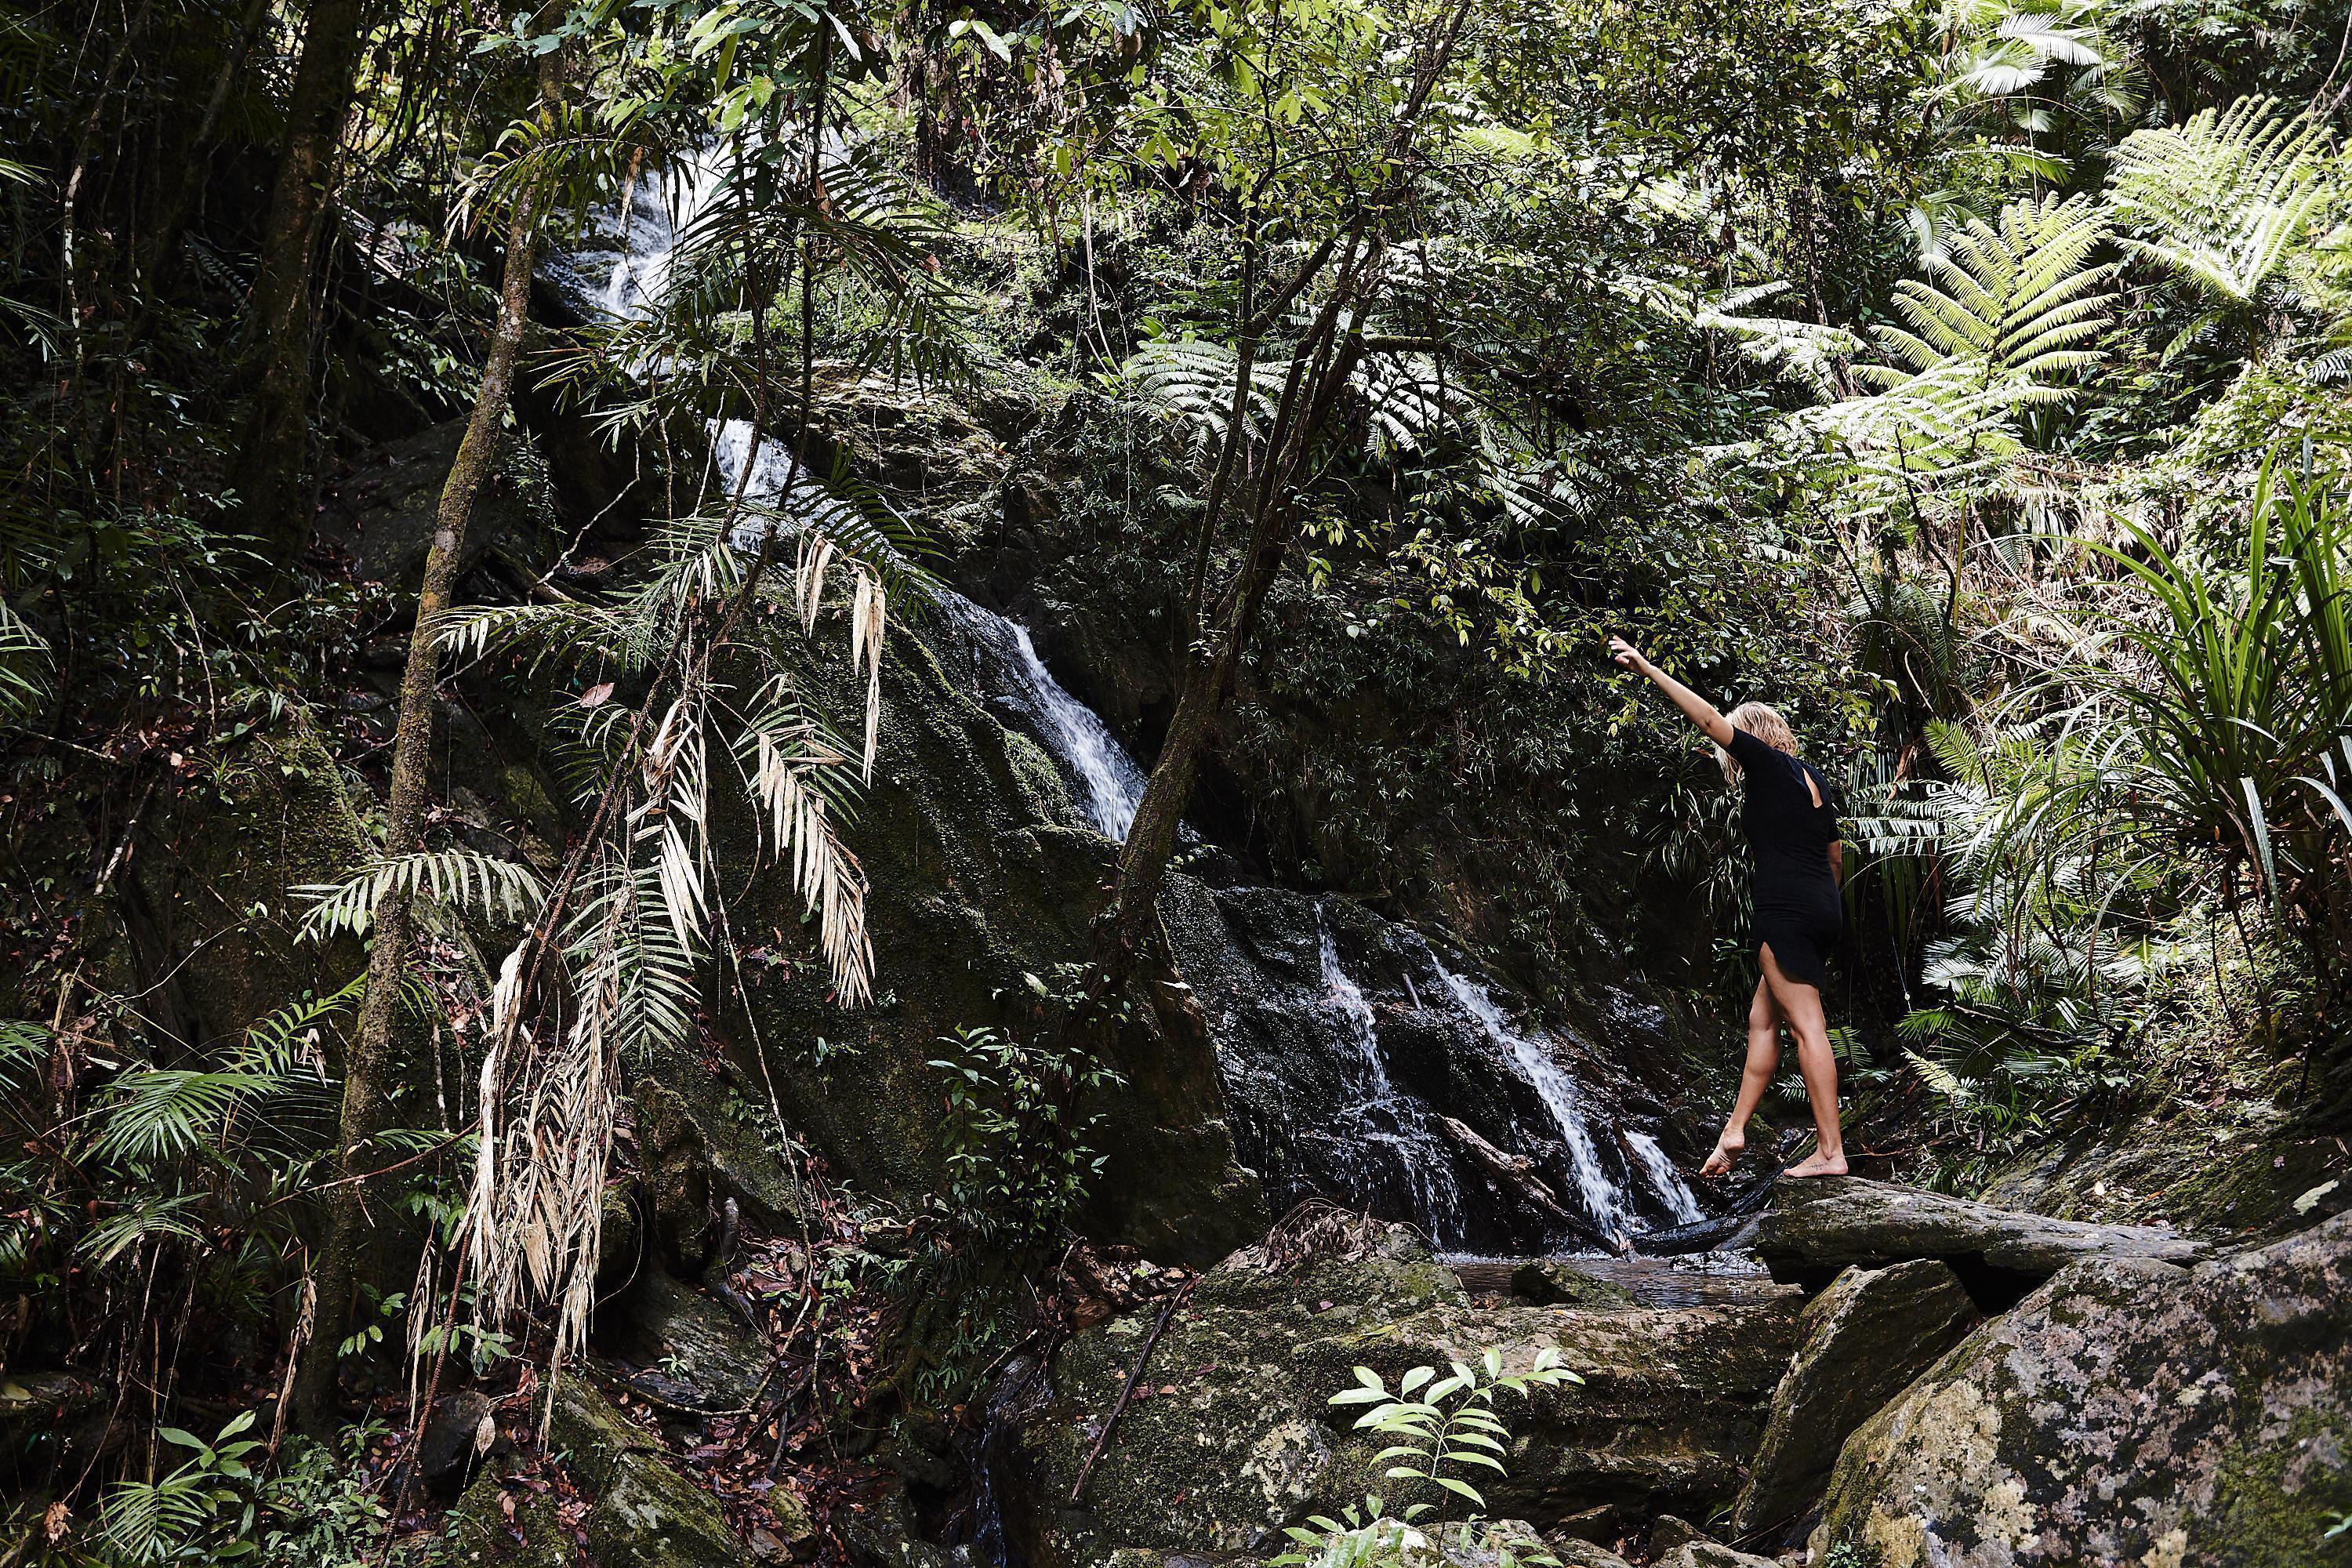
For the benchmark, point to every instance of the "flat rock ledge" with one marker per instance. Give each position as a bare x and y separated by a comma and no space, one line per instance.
1816,1229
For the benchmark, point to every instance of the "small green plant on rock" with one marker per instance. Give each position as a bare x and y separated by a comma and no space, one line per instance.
1019,1155
1440,1427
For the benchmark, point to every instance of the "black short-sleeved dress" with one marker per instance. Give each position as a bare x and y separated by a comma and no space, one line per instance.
1799,912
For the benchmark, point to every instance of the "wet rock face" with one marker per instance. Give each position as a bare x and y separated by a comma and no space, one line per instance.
979,875
2128,1412
1357,1069
1859,1342
1816,1229
1236,1438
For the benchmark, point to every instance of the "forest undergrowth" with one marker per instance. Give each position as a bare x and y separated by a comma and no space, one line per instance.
1968,378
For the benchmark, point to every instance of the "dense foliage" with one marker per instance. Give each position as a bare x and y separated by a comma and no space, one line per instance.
1968,377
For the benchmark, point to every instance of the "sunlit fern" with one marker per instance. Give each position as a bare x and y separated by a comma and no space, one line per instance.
2223,197
2011,315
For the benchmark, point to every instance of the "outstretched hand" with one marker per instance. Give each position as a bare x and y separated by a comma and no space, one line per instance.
1625,654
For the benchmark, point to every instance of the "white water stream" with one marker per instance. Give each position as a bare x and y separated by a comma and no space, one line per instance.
622,271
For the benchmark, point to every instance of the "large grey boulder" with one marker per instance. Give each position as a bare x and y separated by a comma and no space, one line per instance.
2129,1412
1238,1437
1816,1229
1859,1342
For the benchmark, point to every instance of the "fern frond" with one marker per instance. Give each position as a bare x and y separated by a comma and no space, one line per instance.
2223,197
162,1113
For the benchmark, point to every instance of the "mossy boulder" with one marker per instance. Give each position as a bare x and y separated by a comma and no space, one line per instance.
1554,1282
210,922
498,1525
386,508
689,1349
2127,1412
1859,1342
1233,1435
646,1514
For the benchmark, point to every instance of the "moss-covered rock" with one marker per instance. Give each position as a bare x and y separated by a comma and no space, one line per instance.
1233,1435
496,1525
1554,1282
646,1514
2128,1412
210,920
652,1516
978,874
1859,1342
386,508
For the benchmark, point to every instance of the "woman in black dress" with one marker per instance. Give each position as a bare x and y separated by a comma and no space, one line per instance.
1792,832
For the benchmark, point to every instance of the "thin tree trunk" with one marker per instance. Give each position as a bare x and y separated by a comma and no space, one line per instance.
276,449
367,1064
163,250
1320,372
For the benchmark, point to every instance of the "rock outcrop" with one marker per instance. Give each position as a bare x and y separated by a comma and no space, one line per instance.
1815,1230
2129,1412
645,1515
1859,1342
979,875
1236,1437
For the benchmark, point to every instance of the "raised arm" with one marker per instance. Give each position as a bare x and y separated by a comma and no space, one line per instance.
1696,709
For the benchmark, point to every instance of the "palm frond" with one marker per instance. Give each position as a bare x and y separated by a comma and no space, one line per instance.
456,879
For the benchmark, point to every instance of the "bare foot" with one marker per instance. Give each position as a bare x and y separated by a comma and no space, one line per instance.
1728,1150
1818,1165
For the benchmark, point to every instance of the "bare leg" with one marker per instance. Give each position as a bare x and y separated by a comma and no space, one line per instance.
1763,1061
1802,1004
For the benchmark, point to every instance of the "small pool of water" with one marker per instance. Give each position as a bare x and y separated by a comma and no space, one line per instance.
1695,1279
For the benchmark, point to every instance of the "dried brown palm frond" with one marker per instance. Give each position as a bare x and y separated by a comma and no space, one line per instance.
789,758
869,624
610,968
1320,1228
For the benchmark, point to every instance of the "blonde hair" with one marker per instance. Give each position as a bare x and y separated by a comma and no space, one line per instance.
1765,724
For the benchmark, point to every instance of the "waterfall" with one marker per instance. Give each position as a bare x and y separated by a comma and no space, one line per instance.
1665,1180
1603,1200
1109,785
1356,1013
1393,1128
1308,1086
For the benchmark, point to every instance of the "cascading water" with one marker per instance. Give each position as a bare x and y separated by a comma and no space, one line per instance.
619,272
1381,1125
1603,1199
1108,783
1665,1180
1306,1051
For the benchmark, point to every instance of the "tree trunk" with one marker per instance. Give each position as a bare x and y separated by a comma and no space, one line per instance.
163,252
1320,368
1320,372
367,1064
277,448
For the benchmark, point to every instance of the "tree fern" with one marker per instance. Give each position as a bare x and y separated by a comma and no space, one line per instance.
2015,302
2222,199
2008,317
